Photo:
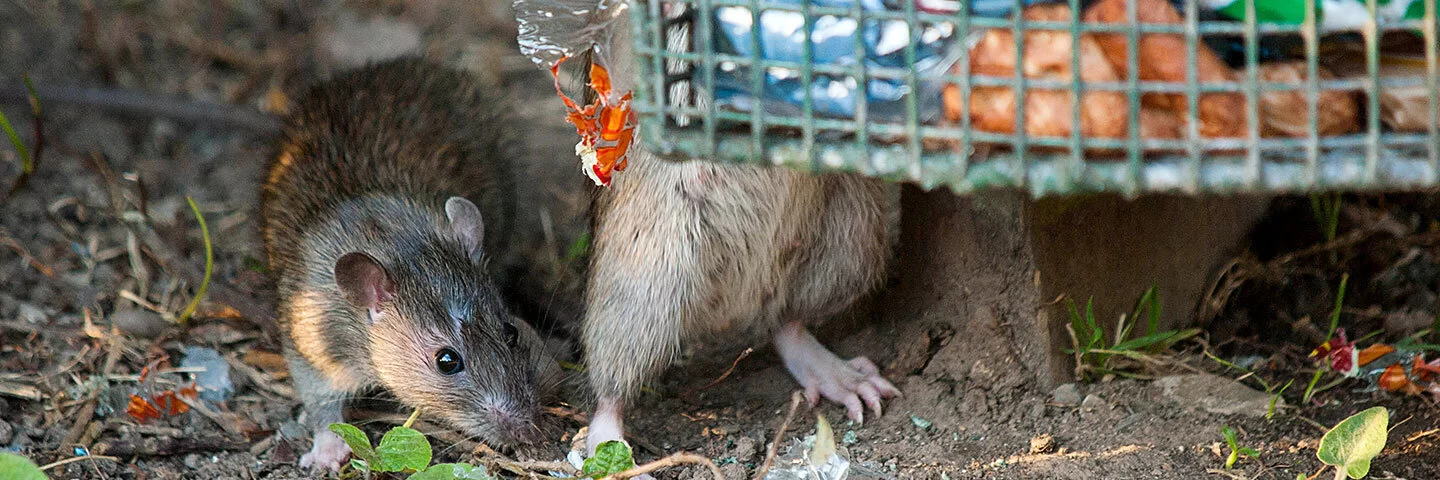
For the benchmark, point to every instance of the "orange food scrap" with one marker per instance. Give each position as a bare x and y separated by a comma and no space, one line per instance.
1395,380
1369,354
142,410
606,128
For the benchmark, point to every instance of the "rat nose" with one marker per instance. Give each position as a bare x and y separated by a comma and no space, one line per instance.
515,425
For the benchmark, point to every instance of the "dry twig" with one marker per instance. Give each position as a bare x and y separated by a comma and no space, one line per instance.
730,370
676,459
795,399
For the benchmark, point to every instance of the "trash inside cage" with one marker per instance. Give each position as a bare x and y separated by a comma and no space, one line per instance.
1128,96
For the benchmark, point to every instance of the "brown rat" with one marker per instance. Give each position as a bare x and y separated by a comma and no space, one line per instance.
685,250
374,215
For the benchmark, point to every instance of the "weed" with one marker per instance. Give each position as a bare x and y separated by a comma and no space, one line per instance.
578,248
610,458
20,149
1313,387
1232,440
1095,354
402,450
1327,213
1355,441
209,263
16,467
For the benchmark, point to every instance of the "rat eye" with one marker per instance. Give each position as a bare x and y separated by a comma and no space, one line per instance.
512,336
448,362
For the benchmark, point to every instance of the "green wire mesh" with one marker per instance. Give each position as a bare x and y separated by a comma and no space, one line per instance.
676,123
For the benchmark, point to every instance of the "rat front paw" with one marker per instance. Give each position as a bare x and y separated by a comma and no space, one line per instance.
328,452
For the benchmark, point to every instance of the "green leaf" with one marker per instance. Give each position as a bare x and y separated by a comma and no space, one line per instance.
610,457
453,471
1162,338
578,248
1355,441
359,465
1230,437
356,439
402,449
15,467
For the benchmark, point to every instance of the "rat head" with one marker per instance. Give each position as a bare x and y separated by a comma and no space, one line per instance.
440,339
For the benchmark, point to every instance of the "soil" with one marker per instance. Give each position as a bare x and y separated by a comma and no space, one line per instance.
100,238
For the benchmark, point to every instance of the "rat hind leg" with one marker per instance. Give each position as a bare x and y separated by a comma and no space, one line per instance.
855,383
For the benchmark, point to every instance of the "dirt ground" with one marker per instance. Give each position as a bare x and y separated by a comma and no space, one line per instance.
101,238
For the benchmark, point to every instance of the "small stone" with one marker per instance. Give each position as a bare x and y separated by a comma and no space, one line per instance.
142,324
31,313
1094,402
355,41
744,449
733,470
1066,395
7,432
1215,394
850,438
1044,443
193,461
920,423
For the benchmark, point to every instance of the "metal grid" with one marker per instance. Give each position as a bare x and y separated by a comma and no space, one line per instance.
676,123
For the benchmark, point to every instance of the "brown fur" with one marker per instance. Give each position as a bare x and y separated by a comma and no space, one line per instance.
366,165
689,249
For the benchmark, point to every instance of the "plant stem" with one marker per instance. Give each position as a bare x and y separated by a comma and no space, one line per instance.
209,262
411,421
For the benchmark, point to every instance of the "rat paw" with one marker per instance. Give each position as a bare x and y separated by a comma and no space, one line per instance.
855,383
328,452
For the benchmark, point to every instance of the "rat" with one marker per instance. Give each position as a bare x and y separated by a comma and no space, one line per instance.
371,214
685,250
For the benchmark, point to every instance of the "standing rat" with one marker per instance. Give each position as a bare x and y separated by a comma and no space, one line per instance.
372,219
692,249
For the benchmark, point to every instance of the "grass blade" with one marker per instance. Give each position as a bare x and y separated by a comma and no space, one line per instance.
19,145
209,262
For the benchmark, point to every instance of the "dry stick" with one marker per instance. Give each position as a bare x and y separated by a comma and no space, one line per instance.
77,459
681,458
795,399
730,370
148,105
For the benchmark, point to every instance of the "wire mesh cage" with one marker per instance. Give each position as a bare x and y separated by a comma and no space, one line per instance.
1128,96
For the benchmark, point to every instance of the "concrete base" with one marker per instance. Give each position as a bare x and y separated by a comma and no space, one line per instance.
990,267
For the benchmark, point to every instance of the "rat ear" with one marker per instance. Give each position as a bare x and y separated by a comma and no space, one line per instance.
363,281
465,220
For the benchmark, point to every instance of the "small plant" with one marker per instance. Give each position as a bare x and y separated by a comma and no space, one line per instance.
27,161
402,450
1236,451
610,458
209,263
1355,441
1327,214
1095,354
16,467
1313,386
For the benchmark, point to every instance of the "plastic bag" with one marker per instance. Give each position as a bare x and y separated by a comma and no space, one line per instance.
552,31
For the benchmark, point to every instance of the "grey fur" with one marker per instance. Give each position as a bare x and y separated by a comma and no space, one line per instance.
367,164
